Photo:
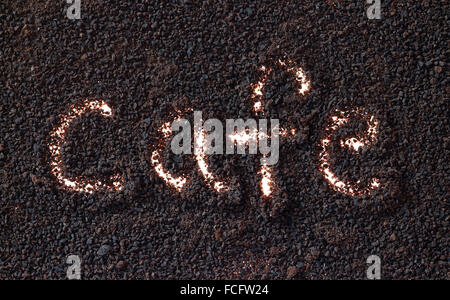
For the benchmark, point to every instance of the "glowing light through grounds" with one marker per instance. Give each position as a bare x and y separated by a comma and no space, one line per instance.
300,77
57,138
337,121
200,156
244,137
176,182
267,181
179,182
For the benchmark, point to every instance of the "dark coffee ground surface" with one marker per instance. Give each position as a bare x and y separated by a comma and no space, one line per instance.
148,58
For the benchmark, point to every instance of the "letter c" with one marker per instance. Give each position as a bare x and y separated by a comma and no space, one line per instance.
57,137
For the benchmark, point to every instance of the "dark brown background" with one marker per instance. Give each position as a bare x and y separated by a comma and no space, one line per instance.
144,58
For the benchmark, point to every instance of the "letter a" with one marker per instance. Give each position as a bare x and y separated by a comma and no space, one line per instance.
374,10
74,11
